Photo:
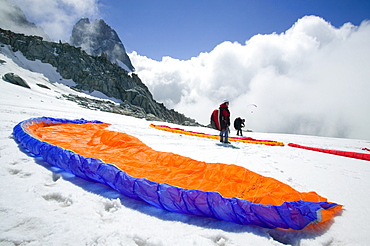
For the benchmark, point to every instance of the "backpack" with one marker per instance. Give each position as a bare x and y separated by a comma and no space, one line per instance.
215,120
238,123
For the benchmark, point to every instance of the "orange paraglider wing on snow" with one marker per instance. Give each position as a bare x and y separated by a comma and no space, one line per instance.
168,180
204,135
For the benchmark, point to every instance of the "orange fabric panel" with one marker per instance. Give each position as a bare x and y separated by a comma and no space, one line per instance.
139,160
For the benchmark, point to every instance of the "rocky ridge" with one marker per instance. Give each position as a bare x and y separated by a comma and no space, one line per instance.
93,73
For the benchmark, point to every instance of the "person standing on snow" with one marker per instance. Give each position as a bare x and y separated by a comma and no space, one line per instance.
224,119
238,125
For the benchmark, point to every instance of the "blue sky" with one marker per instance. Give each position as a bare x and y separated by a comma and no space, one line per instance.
183,29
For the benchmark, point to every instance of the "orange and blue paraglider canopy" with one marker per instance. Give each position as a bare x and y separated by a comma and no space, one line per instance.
170,181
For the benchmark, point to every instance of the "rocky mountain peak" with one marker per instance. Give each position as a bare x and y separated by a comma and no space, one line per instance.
97,38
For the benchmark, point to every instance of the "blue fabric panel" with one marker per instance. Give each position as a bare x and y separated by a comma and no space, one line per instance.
292,215
108,174
269,215
197,203
245,215
51,155
147,191
33,145
69,161
327,205
221,207
171,198
75,163
90,166
125,184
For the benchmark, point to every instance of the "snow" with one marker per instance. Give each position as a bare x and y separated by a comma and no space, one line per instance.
44,205
122,65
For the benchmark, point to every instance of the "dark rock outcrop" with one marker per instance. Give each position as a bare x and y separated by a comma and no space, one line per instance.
92,73
124,108
15,79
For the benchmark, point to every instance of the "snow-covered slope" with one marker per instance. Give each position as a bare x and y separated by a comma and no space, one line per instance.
43,205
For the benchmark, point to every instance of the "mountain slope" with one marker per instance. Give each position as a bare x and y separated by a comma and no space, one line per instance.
92,74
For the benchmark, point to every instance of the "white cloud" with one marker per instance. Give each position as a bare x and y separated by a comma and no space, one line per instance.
312,79
12,18
57,17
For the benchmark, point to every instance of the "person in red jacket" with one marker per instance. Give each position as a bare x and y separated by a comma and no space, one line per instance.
224,119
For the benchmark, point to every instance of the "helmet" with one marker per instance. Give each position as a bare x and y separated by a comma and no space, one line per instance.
225,101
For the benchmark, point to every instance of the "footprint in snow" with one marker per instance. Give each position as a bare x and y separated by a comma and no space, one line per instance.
59,198
18,172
